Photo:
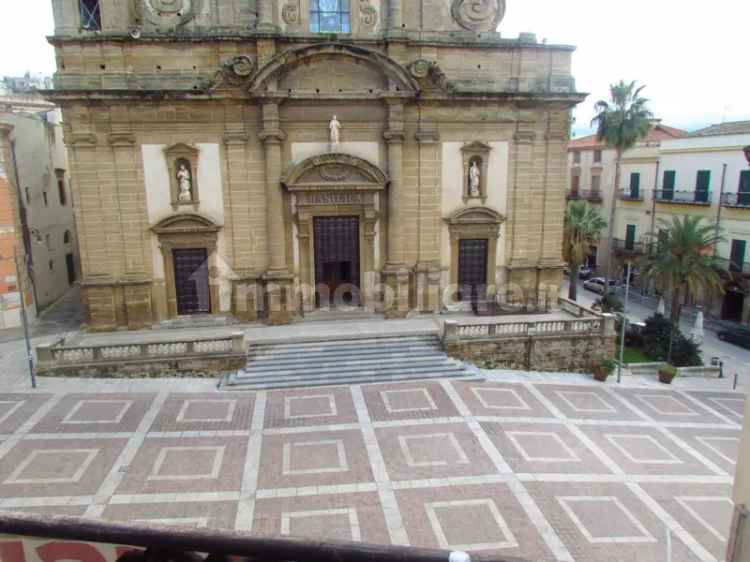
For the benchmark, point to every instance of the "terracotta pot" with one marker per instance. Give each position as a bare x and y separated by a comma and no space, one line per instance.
666,377
601,375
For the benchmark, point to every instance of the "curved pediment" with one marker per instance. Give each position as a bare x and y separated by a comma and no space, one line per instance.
332,170
475,215
312,71
183,223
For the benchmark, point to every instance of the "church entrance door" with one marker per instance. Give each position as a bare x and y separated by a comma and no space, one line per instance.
191,281
337,276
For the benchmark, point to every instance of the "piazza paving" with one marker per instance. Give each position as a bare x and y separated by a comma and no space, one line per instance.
540,471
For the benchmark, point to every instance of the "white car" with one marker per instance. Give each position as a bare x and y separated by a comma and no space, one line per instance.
597,285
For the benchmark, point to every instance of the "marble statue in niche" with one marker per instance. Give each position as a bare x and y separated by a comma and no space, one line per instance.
184,182
475,178
335,128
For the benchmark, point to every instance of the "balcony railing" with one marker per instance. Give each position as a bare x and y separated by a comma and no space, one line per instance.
670,196
66,538
590,195
631,247
733,267
739,200
630,195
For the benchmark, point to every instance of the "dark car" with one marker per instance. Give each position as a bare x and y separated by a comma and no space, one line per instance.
737,336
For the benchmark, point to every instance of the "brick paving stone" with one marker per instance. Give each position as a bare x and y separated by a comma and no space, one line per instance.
205,412
16,409
549,448
581,402
324,458
349,517
95,413
433,451
728,404
485,518
499,399
605,522
720,446
668,406
305,407
205,514
57,467
410,401
186,465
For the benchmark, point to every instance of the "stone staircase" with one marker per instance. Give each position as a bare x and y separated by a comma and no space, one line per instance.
355,360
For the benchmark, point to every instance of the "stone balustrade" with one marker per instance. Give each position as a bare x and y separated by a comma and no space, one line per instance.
203,355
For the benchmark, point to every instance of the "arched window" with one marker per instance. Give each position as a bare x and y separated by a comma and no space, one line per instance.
91,14
329,16
66,237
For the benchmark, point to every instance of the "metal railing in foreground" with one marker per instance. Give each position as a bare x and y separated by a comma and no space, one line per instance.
67,538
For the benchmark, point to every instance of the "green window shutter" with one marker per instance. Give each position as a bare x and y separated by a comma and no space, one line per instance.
635,185
743,197
739,247
630,237
670,178
703,183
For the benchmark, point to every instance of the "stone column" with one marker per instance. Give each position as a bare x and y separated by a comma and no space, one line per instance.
395,14
396,273
265,16
280,305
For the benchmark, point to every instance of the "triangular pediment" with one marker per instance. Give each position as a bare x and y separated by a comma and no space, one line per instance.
475,215
185,222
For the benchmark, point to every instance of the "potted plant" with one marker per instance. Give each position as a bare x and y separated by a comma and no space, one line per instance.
603,370
667,373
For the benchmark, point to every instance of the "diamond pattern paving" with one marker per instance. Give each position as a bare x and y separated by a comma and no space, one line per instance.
531,470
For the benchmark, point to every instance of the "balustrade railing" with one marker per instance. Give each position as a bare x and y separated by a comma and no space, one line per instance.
741,200
58,355
699,197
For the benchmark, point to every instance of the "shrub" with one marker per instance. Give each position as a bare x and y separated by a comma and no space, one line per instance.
609,366
685,353
609,303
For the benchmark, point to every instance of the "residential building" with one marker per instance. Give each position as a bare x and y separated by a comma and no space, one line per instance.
252,158
39,196
592,177
703,173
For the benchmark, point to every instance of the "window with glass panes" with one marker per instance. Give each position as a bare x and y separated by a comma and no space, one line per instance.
329,16
91,14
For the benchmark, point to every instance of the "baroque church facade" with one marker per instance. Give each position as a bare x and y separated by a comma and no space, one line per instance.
262,159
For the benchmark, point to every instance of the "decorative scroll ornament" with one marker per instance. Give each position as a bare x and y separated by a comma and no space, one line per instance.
429,72
478,15
234,71
290,13
169,12
420,69
368,15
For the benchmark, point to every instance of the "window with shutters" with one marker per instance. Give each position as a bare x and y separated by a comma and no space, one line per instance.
91,14
630,237
702,186
635,185
597,157
743,192
329,16
737,258
670,179
596,182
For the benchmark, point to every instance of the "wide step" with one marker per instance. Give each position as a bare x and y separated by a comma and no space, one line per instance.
345,361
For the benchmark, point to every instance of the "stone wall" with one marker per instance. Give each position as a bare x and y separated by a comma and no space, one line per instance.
565,353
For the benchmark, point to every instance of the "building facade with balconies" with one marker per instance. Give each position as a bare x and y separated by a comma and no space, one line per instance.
702,173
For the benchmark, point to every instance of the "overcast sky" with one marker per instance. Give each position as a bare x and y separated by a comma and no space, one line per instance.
692,56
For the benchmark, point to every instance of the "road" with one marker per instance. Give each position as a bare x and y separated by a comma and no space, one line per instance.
736,359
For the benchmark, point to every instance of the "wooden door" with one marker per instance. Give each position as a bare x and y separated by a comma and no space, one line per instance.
336,260
191,281
472,269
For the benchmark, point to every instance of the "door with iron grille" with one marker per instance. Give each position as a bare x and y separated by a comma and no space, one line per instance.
336,260
191,281
472,269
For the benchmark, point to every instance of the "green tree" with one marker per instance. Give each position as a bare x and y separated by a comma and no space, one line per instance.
621,123
682,262
583,227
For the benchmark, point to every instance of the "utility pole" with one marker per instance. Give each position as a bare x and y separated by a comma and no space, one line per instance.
24,318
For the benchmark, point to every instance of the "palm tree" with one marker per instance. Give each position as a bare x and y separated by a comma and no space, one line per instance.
621,123
683,261
583,227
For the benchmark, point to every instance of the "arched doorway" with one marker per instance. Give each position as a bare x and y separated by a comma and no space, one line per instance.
337,200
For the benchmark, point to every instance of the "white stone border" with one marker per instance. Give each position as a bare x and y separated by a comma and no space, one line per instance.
333,411
387,403
287,469
12,410
187,403
14,477
684,500
354,528
522,404
437,528
118,418
612,438
459,458
645,537
162,457
608,409
513,435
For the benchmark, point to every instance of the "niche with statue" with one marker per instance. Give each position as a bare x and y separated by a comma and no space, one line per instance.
182,160
475,159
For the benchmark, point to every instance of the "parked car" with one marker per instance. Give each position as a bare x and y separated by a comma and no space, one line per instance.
583,273
597,285
737,336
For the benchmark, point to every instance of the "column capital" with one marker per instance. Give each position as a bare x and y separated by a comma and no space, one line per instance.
235,138
394,137
272,136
